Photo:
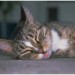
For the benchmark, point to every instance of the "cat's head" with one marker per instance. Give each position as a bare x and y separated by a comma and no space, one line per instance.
32,34
33,39
27,23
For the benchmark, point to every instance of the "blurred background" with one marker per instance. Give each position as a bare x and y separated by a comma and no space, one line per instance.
43,11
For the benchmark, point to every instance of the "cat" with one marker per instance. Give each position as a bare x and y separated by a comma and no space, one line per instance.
30,39
63,44
33,40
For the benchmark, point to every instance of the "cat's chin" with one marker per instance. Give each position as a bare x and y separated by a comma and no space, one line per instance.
44,56
40,56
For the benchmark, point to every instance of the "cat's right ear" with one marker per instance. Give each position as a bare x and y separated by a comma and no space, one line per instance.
26,15
23,15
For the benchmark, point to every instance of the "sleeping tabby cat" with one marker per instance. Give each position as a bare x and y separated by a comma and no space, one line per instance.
32,40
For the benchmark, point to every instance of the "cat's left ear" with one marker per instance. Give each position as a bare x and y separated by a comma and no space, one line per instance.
26,15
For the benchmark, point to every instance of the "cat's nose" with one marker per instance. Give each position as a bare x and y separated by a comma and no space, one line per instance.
41,51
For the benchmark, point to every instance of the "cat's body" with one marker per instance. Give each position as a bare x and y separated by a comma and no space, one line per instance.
64,39
32,40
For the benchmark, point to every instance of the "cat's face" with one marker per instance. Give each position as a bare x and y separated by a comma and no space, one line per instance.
33,44
35,40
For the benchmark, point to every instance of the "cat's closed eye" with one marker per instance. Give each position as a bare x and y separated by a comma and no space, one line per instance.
30,35
22,47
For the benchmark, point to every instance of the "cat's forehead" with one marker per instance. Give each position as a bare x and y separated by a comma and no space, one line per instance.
30,29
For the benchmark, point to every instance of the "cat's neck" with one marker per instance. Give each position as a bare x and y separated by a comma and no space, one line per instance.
57,42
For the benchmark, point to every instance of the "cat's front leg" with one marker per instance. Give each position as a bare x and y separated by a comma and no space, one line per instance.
60,53
71,53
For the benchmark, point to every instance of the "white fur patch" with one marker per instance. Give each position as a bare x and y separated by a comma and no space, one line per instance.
40,56
29,44
57,42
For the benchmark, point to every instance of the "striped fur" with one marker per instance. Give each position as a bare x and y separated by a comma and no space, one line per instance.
32,40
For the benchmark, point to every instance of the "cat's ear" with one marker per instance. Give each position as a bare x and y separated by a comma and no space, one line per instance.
26,15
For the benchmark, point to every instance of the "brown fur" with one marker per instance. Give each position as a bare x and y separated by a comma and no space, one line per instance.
66,30
40,36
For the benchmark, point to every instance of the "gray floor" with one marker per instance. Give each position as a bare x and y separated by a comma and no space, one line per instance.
49,66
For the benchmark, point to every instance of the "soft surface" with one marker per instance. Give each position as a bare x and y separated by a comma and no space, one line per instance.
49,66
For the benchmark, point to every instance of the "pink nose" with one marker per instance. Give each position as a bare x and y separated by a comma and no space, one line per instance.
41,51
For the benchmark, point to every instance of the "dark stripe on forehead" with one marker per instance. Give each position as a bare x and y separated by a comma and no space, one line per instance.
39,27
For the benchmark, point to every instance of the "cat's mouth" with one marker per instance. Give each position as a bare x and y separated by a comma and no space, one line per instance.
46,54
